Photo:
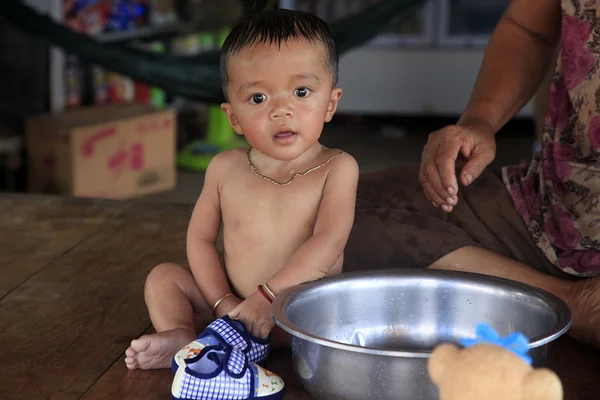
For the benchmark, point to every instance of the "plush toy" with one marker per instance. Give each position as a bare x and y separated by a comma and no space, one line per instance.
491,368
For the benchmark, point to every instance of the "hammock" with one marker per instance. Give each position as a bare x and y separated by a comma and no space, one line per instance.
197,77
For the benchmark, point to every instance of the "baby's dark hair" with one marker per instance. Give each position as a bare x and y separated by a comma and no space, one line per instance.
277,27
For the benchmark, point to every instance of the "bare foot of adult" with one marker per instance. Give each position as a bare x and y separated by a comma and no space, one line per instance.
584,299
157,350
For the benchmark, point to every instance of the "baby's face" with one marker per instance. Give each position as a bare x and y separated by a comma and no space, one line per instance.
279,98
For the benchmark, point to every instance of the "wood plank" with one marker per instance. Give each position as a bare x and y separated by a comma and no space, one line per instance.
280,362
72,274
578,367
37,231
67,324
121,383
5,202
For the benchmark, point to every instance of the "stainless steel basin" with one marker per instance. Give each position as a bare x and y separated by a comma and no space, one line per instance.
369,335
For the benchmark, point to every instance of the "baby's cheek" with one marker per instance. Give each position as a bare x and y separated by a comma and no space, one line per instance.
314,125
254,125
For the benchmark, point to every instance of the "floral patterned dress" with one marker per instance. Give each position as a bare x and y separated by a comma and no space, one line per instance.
558,192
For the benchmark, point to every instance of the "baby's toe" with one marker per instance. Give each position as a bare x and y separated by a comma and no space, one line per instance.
130,352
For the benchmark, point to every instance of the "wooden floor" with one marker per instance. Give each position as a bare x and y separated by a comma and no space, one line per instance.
71,299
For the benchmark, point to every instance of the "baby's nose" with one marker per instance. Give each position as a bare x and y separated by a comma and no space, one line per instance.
282,110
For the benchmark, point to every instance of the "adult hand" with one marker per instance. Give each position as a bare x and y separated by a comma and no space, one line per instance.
437,175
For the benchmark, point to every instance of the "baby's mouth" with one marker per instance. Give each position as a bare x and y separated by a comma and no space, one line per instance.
285,134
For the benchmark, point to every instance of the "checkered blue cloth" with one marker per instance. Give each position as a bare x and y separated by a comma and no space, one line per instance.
232,377
232,333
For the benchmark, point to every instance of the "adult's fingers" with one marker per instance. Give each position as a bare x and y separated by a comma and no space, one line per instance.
481,156
427,175
451,141
430,178
435,199
429,172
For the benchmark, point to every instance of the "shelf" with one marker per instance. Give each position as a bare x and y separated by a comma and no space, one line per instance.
149,32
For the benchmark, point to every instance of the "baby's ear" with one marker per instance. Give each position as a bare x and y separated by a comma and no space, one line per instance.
233,120
542,384
336,94
440,359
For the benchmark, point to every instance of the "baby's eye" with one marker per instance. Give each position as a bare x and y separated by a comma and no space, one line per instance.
302,92
257,98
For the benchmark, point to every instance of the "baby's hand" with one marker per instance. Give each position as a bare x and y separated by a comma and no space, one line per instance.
255,314
227,305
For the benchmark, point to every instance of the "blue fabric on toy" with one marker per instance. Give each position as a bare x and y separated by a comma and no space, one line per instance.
514,342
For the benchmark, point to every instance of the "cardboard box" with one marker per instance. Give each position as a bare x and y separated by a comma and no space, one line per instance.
115,151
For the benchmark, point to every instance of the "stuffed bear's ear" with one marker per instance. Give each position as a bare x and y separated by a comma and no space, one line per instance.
440,359
542,384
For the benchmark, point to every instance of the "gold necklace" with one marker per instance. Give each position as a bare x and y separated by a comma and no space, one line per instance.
308,171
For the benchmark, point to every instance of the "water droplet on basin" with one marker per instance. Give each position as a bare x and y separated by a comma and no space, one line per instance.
359,339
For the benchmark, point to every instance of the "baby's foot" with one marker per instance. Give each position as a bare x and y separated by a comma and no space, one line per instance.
584,300
157,350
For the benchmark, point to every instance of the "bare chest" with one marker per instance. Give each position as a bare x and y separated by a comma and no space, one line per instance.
255,208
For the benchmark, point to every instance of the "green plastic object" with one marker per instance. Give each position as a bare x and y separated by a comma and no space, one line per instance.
198,154
220,136
158,96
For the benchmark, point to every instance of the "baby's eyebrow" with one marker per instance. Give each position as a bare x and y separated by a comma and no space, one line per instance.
309,76
248,85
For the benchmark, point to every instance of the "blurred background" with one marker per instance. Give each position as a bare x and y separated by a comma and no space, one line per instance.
71,127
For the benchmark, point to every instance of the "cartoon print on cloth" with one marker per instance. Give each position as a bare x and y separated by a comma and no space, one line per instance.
222,372
272,382
558,192
225,331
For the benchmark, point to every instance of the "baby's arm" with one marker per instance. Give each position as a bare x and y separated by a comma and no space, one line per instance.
314,259
202,233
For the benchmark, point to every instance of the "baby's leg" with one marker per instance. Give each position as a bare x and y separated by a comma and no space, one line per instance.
176,307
